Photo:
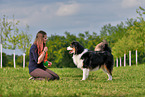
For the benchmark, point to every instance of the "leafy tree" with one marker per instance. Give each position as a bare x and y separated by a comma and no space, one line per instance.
132,40
5,28
24,44
113,33
57,51
24,40
13,38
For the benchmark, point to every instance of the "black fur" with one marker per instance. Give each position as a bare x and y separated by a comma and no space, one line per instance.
107,48
93,59
79,48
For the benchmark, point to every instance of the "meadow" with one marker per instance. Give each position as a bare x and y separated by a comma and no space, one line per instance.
127,81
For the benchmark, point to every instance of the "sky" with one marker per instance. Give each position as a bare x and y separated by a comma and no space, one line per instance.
74,16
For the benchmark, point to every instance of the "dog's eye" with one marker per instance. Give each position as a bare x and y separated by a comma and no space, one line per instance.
70,45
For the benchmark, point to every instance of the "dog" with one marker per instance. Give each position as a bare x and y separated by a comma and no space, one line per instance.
91,60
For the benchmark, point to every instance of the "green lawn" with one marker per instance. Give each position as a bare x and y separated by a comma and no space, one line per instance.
127,82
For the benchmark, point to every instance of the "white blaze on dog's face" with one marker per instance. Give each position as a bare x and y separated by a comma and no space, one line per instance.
71,50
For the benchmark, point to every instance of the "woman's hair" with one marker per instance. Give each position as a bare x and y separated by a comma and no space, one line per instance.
39,41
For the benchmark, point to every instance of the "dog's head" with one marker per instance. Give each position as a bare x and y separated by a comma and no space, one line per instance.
75,48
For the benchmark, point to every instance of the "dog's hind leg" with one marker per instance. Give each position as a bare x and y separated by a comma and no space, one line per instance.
85,73
106,70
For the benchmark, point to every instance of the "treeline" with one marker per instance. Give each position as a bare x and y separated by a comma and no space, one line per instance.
122,38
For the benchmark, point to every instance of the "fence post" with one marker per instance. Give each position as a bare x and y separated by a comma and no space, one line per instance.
116,62
124,60
14,60
120,61
129,58
23,60
1,55
136,57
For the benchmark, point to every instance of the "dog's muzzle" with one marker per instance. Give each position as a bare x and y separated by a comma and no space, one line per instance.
69,48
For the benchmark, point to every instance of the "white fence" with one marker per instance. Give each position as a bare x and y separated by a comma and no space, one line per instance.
13,58
117,63
1,55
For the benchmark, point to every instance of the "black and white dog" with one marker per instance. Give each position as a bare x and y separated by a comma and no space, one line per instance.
91,60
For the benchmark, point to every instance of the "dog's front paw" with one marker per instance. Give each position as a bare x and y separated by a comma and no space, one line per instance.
83,79
110,79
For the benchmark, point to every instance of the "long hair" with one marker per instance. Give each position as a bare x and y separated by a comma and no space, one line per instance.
39,41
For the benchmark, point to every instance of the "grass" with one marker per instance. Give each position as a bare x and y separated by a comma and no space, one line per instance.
127,82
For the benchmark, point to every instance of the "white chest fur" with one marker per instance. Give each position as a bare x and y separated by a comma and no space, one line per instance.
77,59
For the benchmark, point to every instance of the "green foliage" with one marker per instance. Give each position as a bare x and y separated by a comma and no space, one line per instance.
57,45
11,37
140,13
5,28
127,82
24,40
113,33
132,40
127,37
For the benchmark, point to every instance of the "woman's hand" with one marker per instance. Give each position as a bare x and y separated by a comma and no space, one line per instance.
45,49
49,63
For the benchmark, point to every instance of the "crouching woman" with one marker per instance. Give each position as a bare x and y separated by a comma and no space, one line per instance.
37,58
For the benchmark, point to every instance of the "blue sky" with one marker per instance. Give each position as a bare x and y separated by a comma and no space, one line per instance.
74,16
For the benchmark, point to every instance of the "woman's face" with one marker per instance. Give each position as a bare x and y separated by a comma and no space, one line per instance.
45,38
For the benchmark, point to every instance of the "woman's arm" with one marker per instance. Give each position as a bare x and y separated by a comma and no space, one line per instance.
41,57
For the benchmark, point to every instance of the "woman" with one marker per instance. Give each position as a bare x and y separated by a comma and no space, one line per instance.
38,54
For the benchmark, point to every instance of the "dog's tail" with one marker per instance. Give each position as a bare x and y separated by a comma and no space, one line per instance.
103,46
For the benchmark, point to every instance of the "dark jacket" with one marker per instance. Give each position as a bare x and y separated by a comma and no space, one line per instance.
33,59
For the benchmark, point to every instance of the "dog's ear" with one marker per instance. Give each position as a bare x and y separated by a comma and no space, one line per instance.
79,48
76,49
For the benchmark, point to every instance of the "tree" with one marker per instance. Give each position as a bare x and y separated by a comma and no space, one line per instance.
57,52
134,39
5,30
11,37
113,33
24,42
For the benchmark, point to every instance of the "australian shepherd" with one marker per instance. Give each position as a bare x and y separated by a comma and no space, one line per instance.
92,60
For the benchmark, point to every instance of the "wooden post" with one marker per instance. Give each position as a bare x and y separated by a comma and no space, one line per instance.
14,60
116,62
136,57
129,58
1,56
124,60
23,60
120,61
